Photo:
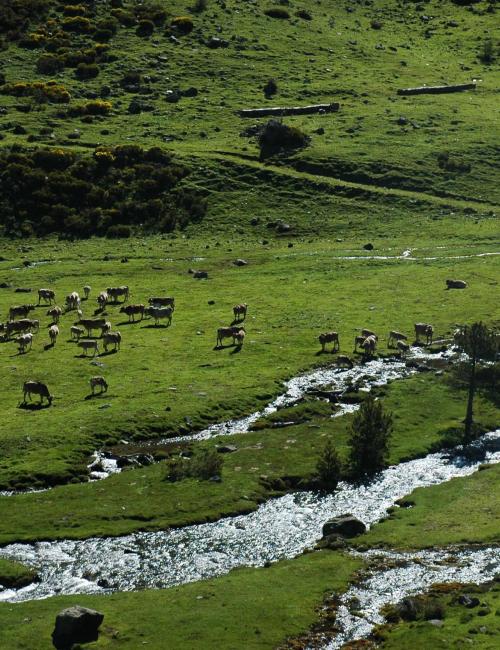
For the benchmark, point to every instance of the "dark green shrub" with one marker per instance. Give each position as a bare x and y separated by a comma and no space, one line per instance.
74,10
207,464
451,164
271,88
369,438
49,64
102,35
276,136
125,18
182,24
86,71
305,15
119,231
77,24
200,6
487,53
277,12
328,468
53,159
145,28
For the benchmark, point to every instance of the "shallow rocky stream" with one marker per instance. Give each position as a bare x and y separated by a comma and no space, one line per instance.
280,528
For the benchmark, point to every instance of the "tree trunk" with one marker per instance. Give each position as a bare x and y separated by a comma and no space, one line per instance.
470,403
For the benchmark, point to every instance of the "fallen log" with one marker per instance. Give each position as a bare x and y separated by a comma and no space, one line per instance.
289,110
436,90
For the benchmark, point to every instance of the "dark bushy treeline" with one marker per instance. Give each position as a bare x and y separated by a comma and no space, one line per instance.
56,191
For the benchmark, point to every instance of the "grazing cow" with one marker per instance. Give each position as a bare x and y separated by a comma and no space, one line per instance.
92,324
34,324
403,348
98,381
162,302
88,344
329,337
160,312
239,337
22,325
132,310
72,301
76,332
395,337
358,341
367,333
86,291
112,338
24,341
115,292
240,311
20,311
369,346
105,328
55,313
342,360
32,387
424,329
226,333
47,295
456,284
53,334
102,299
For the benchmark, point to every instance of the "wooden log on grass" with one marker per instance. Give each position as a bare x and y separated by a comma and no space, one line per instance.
280,111
437,90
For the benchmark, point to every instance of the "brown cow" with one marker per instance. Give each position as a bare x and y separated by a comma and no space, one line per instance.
132,310
329,337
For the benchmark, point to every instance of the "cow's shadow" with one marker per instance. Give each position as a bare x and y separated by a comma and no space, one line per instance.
106,353
91,396
237,349
156,326
48,346
128,322
30,406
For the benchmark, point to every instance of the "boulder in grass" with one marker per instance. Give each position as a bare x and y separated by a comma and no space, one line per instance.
76,625
345,526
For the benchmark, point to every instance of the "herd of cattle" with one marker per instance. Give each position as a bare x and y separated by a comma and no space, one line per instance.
21,329
87,333
367,340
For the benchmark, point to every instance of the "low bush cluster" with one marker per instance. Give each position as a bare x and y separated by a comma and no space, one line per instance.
204,466
114,190
40,91
94,107
16,16
451,164
182,24
275,136
277,12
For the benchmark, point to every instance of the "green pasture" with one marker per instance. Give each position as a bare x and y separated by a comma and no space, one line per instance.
437,514
163,375
267,462
261,606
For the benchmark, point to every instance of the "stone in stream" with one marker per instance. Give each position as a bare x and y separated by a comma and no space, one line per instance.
76,625
344,525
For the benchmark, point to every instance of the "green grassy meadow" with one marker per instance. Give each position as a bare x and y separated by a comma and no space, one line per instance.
408,175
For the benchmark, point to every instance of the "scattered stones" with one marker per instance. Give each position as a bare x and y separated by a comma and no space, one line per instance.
240,262
345,525
227,449
76,625
215,42
468,601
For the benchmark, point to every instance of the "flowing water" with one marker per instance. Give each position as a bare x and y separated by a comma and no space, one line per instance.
278,529
414,573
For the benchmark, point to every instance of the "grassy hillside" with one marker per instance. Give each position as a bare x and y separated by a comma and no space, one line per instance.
121,118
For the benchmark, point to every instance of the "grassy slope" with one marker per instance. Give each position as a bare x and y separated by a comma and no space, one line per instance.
274,603
425,409
437,518
13,574
336,56
348,294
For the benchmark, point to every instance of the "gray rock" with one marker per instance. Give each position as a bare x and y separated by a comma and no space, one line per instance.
368,247
227,449
76,625
345,525
436,622
240,262
468,601
200,275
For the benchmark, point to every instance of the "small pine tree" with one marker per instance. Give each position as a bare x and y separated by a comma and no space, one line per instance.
369,438
478,342
328,468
